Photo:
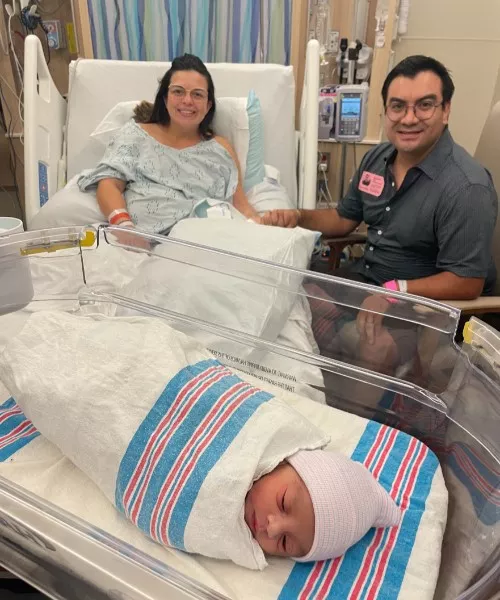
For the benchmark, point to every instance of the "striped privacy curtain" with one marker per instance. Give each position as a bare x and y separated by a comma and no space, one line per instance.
214,30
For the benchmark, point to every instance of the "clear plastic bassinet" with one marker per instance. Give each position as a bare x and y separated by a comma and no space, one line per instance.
413,377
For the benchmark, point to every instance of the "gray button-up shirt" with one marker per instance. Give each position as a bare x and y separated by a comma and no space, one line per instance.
442,217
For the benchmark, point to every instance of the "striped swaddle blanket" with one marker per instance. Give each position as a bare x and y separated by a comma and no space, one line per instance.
171,436
386,564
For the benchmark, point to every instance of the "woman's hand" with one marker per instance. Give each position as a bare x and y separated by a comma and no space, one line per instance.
127,236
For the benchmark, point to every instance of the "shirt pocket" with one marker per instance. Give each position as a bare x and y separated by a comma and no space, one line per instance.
373,209
414,224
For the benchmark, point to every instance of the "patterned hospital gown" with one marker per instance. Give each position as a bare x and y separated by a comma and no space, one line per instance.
164,184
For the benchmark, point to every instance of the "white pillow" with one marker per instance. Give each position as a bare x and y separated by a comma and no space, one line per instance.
205,291
230,121
68,206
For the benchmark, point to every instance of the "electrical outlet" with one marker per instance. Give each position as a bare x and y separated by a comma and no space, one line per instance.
324,162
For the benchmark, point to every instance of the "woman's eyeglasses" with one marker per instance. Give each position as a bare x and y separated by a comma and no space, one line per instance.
197,95
423,109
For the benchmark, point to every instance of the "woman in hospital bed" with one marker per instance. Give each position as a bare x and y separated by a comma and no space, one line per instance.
154,174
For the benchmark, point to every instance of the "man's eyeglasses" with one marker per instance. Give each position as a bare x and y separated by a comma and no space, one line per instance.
423,109
197,95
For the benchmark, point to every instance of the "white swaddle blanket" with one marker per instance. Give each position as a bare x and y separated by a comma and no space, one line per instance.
171,436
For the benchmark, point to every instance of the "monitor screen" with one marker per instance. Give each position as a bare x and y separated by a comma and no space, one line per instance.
351,105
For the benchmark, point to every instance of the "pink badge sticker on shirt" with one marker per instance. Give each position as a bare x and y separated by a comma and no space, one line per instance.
371,183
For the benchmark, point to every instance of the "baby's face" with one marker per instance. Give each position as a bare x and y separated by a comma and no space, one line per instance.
280,514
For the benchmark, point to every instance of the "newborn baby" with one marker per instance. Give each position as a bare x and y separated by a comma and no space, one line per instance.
316,505
192,454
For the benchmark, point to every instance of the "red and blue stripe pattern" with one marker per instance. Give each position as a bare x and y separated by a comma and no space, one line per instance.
200,412
374,568
15,429
481,476
473,465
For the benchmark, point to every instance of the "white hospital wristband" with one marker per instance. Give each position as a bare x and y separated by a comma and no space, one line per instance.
403,285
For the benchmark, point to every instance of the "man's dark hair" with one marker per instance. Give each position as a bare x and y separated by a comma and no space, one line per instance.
188,62
413,65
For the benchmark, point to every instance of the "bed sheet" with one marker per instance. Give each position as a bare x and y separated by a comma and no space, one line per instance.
69,206
400,563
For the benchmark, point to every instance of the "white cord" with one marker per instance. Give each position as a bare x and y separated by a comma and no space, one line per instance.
20,74
20,104
11,89
5,47
330,200
323,196
12,125
19,68
20,108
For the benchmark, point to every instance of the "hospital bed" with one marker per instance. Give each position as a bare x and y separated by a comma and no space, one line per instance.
446,396
57,131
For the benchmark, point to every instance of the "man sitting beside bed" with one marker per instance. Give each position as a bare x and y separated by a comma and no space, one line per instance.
429,206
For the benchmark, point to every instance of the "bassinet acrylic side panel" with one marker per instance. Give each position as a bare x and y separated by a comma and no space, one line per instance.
455,421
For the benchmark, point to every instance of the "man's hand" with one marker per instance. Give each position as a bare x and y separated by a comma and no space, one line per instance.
369,324
281,218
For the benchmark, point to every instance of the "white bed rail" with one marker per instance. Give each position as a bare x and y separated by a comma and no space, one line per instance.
44,121
308,143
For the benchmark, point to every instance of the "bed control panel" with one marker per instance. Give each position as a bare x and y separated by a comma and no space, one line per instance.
43,183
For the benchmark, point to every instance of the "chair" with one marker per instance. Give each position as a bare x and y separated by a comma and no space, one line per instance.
337,246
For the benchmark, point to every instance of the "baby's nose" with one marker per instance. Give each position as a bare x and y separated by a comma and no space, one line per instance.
274,526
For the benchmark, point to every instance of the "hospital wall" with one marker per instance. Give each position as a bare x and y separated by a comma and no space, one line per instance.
465,36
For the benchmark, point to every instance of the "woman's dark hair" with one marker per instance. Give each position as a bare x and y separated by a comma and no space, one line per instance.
188,62
413,65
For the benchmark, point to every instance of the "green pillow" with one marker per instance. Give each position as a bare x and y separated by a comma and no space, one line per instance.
254,172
